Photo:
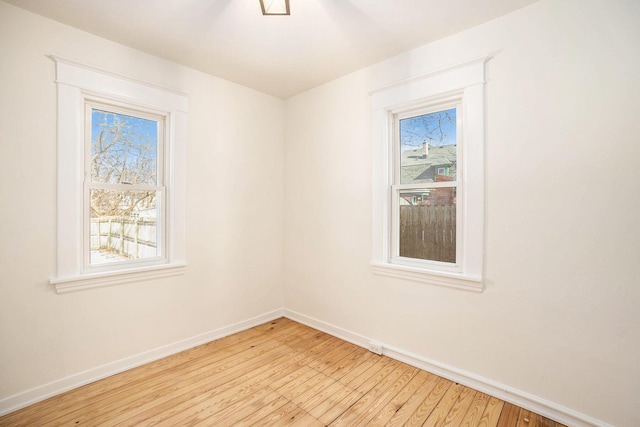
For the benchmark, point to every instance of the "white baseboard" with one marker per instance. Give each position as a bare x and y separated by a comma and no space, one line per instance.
20,400
520,398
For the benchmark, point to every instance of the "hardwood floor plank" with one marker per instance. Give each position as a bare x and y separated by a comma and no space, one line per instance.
374,371
206,378
304,420
546,422
332,356
210,413
359,373
295,388
440,412
525,419
264,412
315,394
370,404
274,416
476,409
280,373
316,404
460,407
404,412
299,376
308,422
491,413
429,403
98,390
338,370
181,400
398,400
290,418
337,403
509,416
530,419
198,376
384,395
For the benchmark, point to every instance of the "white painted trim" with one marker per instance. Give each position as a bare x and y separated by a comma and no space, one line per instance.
520,398
76,83
474,61
83,75
110,278
36,394
432,84
438,278
464,81
343,334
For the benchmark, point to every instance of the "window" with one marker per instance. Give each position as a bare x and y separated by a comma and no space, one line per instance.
121,154
124,183
428,209
424,195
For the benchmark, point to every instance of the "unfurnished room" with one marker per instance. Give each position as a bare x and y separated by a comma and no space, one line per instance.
320,213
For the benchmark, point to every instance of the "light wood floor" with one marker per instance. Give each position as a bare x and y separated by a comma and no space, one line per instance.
276,374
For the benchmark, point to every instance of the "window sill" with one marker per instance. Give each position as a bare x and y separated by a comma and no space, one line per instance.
97,280
450,280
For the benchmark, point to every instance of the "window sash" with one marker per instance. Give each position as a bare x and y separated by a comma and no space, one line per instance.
161,234
395,116
394,252
112,106
95,102
160,239
124,187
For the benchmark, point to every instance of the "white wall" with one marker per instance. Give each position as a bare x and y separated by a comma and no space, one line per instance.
559,317
235,201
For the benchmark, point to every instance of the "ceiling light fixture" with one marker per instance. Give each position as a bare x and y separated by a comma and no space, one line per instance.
275,7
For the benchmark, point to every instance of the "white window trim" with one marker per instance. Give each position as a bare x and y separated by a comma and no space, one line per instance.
468,79
76,82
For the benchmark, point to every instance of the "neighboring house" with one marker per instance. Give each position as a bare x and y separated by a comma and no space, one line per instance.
426,163
429,164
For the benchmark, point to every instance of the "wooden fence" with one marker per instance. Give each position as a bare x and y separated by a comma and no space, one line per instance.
428,232
129,238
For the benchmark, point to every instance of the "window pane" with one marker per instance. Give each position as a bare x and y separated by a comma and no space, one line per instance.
428,148
123,225
124,149
428,224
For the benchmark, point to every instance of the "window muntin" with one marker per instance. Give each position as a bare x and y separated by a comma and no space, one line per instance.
424,188
124,189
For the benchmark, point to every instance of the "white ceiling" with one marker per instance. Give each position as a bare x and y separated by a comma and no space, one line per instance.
279,55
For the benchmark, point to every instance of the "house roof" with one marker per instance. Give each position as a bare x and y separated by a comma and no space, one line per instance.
417,166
